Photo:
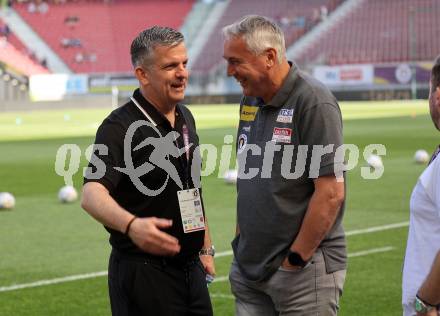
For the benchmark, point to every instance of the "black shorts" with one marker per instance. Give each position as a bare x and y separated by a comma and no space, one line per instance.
151,286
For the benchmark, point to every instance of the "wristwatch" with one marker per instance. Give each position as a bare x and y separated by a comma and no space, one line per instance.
421,306
207,251
295,259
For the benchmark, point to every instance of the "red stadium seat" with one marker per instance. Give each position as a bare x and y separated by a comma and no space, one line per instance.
379,32
103,30
211,54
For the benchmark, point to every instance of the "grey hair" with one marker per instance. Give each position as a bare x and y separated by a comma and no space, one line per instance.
142,47
259,34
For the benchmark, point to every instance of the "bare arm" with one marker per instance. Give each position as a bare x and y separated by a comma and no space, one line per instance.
144,232
430,289
237,230
97,201
207,260
321,213
207,241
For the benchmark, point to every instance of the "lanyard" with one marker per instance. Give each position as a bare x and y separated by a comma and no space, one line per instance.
143,111
183,166
185,135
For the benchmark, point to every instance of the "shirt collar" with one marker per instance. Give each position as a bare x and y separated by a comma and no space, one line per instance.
435,154
280,98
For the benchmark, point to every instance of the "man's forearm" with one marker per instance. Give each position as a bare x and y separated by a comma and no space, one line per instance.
320,216
430,289
208,259
146,233
237,230
100,205
207,241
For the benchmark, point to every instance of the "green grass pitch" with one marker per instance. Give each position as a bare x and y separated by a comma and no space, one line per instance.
43,240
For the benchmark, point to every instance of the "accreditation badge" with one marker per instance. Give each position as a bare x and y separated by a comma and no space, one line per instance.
191,210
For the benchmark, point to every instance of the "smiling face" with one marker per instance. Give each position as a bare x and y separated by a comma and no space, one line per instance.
248,69
164,80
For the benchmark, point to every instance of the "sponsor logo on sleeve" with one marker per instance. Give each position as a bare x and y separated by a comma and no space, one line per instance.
282,135
285,116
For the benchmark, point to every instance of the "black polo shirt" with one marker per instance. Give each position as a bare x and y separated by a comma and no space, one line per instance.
112,133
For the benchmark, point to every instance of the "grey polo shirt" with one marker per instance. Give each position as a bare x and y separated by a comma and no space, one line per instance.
275,146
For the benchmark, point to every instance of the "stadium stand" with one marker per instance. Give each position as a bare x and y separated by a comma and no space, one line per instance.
95,36
15,55
13,39
295,17
379,31
5,32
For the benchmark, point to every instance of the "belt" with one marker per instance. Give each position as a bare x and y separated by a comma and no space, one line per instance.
179,262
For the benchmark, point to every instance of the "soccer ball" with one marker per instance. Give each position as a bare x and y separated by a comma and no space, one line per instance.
421,156
67,194
7,200
374,161
230,176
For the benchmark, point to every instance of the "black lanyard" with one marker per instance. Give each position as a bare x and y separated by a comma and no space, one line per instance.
184,158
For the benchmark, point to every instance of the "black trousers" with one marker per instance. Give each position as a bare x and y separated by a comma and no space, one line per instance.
157,287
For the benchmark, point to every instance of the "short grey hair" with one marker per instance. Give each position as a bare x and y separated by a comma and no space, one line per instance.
259,34
142,47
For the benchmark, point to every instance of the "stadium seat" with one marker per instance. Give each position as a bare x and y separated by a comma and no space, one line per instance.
294,17
380,32
104,29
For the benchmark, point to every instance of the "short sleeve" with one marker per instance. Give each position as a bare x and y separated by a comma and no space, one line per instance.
431,181
108,153
320,126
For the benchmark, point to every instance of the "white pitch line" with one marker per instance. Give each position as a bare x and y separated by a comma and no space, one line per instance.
349,233
369,252
218,255
218,295
224,254
53,281
104,273
350,255
221,279
376,229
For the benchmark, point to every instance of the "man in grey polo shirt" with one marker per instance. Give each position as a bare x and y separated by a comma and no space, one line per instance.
289,250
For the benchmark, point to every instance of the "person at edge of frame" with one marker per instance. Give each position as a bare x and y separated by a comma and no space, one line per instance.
421,268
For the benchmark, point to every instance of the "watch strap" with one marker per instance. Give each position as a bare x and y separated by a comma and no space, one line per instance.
421,306
207,251
295,259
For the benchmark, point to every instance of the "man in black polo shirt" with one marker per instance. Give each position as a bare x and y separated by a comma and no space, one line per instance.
141,185
289,251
